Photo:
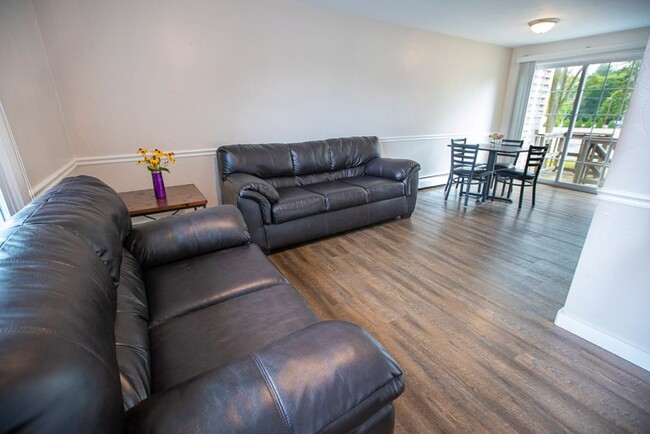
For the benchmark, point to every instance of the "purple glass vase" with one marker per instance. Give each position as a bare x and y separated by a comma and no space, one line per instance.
158,185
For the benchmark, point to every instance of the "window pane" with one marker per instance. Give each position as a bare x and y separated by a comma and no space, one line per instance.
583,156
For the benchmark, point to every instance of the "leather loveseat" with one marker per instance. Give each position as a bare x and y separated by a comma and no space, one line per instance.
296,192
175,326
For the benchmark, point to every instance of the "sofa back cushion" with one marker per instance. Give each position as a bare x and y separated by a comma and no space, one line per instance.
263,161
351,152
310,158
87,208
60,261
300,163
58,370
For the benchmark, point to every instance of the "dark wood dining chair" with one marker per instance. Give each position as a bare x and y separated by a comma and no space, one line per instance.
526,177
505,160
451,179
464,171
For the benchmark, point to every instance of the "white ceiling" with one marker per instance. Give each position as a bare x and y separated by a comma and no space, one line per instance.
503,22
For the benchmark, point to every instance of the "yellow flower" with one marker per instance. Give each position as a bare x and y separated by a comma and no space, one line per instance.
156,159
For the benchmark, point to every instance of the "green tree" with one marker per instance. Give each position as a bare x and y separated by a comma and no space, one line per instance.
606,93
615,106
563,89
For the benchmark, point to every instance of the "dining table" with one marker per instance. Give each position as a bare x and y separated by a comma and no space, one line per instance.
495,149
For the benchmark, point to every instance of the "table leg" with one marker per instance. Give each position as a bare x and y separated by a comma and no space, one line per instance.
492,159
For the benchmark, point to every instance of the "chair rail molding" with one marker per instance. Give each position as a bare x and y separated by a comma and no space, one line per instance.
429,145
54,178
430,150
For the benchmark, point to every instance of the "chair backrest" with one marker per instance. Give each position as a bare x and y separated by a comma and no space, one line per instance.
535,159
513,142
459,141
464,156
509,158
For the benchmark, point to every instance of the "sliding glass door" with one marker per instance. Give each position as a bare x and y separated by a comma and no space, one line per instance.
578,112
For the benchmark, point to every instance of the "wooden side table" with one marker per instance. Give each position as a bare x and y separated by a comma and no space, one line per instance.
144,202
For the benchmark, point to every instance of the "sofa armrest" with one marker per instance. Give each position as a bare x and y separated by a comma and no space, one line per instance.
329,377
265,206
393,168
187,235
242,182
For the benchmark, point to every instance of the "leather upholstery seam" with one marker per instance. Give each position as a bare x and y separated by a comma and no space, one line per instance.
392,380
157,323
274,393
133,347
46,331
38,261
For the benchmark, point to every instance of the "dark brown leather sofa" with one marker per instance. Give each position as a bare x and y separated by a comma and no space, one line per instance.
175,326
296,192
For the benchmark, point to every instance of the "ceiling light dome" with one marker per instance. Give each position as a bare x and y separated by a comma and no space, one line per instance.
543,25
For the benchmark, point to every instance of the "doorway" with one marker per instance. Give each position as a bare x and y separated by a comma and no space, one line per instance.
578,111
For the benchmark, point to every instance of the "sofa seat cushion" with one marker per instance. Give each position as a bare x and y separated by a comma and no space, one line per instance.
377,188
185,286
186,346
296,202
339,195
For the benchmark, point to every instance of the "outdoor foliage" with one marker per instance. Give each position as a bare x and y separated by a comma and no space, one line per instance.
606,96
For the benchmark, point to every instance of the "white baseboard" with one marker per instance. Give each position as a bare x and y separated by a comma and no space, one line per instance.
432,180
624,197
598,337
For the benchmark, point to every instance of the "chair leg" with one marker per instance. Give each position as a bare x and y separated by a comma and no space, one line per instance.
521,194
469,186
448,185
496,184
534,191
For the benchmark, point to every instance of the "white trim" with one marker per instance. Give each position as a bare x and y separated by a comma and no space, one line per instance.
424,137
611,343
432,180
129,158
4,210
17,189
624,197
55,178
624,48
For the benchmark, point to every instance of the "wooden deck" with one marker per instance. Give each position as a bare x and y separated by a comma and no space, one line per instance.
465,300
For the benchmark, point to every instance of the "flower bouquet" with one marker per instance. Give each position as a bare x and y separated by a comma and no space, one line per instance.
496,138
157,162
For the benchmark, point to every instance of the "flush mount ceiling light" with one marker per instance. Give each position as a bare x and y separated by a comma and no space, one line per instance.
543,25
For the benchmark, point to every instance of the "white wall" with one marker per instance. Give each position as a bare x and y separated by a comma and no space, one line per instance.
609,300
28,93
186,75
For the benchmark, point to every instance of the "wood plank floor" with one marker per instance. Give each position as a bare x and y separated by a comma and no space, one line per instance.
465,299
